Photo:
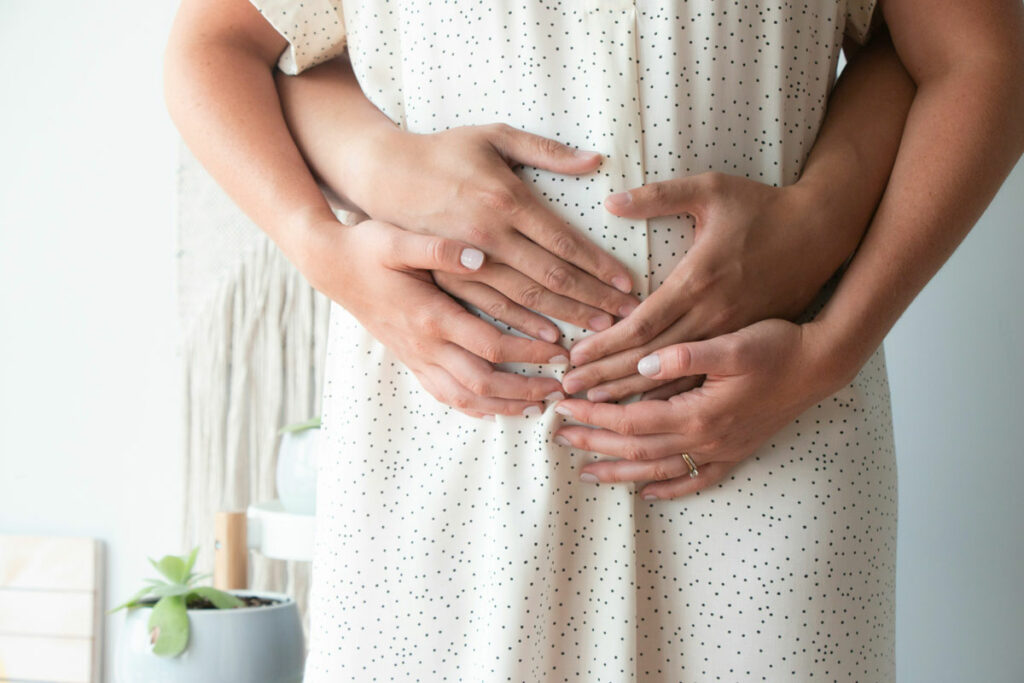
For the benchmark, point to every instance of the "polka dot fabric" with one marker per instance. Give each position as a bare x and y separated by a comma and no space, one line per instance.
452,549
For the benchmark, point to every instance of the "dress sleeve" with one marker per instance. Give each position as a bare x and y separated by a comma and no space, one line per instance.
314,29
861,19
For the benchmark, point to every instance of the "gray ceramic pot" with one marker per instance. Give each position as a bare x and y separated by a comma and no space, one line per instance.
244,645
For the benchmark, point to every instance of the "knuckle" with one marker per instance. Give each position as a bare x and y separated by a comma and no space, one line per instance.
625,426
480,386
498,310
490,351
479,236
565,245
659,472
548,146
498,199
641,328
460,401
531,295
558,278
436,249
635,452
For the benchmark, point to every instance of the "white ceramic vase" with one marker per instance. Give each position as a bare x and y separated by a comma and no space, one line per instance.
296,471
242,645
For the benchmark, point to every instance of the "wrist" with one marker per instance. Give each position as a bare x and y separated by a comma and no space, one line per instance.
310,237
835,354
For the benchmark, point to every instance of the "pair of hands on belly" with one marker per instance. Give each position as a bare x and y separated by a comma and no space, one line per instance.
472,229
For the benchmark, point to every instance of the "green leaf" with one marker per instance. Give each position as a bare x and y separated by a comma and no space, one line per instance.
132,601
311,423
198,577
172,567
168,626
191,561
171,589
219,598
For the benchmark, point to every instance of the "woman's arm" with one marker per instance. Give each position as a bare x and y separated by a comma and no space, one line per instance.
760,251
221,94
962,137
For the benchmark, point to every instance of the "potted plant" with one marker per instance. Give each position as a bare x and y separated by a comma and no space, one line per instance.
177,631
296,466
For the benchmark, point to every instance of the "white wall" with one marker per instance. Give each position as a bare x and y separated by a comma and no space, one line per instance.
88,371
89,413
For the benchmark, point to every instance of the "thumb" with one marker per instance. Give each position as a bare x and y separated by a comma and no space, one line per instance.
715,356
551,155
429,252
666,198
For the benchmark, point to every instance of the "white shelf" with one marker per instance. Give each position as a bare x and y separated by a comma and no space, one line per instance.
277,534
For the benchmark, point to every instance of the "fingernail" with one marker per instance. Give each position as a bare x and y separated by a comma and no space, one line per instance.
531,411
624,311
598,395
572,385
650,496
559,360
588,477
562,410
620,199
472,258
489,418
548,335
622,284
649,366
600,322
554,396
561,440
579,359
585,152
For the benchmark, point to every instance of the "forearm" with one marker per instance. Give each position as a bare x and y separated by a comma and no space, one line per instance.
333,123
221,95
847,169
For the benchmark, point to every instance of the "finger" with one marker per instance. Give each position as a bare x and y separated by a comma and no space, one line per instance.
663,310
613,471
673,388
646,447
616,390
531,295
563,278
534,150
666,198
718,356
642,417
707,476
429,252
499,306
450,392
481,378
486,341
622,364
537,222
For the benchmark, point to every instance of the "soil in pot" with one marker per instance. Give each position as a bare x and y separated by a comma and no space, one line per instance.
196,602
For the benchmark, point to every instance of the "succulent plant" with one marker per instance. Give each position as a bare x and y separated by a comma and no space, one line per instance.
168,624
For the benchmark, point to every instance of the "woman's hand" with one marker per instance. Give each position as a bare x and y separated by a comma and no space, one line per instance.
386,284
759,252
758,380
460,184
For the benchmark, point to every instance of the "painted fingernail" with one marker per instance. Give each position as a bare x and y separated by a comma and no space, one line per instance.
620,199
472,258
531,411
559,360
572,385
588,477
624,311
600,322
489,418
562,410
649,366
650,496
554,396
598,395
622,284
548,335
561,440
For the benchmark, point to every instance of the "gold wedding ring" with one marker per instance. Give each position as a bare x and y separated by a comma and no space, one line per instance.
690,463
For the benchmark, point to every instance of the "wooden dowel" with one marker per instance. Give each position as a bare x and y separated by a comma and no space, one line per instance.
230,552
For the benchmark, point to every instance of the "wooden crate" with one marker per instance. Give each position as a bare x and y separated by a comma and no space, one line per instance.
51,609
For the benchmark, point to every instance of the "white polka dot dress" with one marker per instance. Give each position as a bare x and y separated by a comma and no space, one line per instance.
454,549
